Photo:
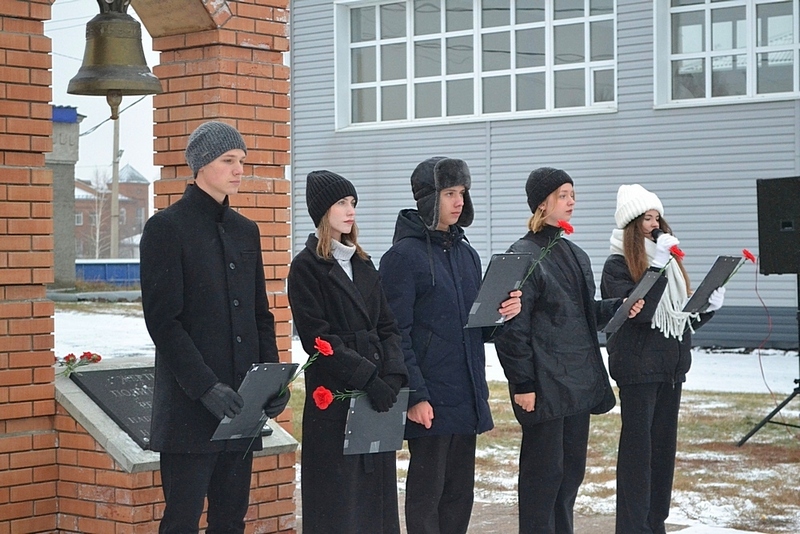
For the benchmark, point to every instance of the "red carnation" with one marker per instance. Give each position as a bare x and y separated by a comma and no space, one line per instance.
567,227
323,347
748,255
678,253
94,358
322,397
70,358
86,356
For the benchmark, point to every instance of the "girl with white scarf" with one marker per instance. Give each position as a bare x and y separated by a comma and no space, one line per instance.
649,357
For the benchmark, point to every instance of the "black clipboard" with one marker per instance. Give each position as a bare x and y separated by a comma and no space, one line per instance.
368,431
504,274
639,292
262,381
717,276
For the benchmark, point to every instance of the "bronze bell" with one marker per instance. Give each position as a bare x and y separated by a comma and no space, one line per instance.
113,62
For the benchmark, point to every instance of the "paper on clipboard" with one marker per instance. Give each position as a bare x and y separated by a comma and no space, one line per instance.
368,431
504,274
262,381
639,292
716,277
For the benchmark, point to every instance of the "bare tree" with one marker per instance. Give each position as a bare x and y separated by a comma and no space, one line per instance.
101,238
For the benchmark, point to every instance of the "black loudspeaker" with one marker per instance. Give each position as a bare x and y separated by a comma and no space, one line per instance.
779,225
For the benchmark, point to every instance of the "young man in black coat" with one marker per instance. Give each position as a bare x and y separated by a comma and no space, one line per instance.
431,277
205,306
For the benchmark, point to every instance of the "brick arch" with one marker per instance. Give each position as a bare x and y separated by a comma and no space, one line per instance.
218,60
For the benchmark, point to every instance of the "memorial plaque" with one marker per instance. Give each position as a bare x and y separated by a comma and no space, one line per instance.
125,395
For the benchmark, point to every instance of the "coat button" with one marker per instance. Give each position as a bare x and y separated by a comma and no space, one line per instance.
239,377
376,356
232,265
238,339
236,302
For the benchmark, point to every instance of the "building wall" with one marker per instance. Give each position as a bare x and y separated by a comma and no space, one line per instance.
703,162
62,162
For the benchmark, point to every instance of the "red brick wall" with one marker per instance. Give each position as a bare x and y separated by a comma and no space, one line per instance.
28,472
54,477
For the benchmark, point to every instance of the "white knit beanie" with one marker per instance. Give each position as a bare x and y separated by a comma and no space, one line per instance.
634,200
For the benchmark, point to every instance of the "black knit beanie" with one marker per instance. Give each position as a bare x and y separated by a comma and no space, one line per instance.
209,141
542,182
433,175
323,190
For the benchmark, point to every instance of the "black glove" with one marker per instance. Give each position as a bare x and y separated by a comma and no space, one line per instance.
221,400
380,395
274,406
395,382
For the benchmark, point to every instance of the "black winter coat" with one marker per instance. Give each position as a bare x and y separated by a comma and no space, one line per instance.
551,347
205,306
354,493
637,352
431,280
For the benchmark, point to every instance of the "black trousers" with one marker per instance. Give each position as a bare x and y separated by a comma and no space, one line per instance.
439,485
552,462
188,478
646,458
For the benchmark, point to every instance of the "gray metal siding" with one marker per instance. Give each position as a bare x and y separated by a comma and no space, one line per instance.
702,161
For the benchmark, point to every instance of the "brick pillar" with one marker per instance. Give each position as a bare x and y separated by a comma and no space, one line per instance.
28,471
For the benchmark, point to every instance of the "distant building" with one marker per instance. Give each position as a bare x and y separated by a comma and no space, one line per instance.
93,214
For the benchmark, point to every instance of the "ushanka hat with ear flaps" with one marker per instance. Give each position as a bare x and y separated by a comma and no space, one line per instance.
209,141
323,190
634,200
431,177
543,181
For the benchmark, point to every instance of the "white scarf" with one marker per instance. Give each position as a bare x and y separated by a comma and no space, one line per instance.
669,319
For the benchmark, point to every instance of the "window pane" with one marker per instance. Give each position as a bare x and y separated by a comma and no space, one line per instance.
530,48
393,103
688,79
728,28
678,3
495,13
530,91
774,73
602,40
362,61
529,11
459,97
774,24
688,32
427,100
569,88
364,105
459,55
362,24
393,61
393,21
496,51
567,9
568,44
729,75
459,15
497,94
427,58
426,17
601,7
604,85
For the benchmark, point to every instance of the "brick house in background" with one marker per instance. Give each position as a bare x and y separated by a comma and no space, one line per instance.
93,204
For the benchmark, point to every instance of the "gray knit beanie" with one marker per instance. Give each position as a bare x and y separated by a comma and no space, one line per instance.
323,190
542,182
209,141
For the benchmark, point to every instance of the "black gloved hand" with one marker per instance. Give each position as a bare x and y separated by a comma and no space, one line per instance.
274,406
380,395
395,382
221,400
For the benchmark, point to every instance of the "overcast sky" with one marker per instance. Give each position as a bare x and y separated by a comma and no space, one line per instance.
67,29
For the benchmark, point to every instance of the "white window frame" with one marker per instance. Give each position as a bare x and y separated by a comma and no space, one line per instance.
343,86
79,218
662,46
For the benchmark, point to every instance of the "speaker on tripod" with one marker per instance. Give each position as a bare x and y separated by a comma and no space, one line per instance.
779,253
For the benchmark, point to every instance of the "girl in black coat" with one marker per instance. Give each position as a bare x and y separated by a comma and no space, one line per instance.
649,357
335,294
551,357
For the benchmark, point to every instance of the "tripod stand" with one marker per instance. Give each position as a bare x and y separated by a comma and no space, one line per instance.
792,395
